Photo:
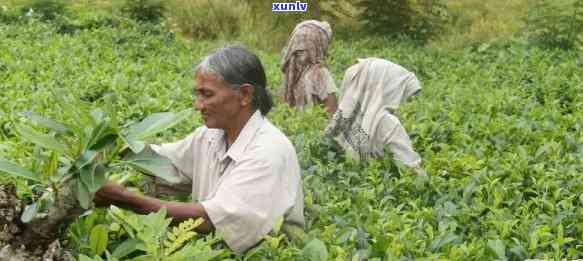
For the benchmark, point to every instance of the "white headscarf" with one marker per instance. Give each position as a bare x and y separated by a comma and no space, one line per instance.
371,87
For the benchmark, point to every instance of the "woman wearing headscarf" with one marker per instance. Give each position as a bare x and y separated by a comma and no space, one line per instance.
365,122
305,76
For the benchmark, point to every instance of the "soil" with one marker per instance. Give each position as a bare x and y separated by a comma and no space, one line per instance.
37,240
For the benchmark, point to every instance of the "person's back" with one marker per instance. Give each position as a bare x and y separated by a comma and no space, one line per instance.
364,122
306,78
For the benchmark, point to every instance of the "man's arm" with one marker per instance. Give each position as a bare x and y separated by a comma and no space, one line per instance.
331,103
114,194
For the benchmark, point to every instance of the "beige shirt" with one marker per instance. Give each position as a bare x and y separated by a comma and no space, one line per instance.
246,188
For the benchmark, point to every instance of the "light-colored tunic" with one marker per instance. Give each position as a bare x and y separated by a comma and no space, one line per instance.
392,134
246,188
364,124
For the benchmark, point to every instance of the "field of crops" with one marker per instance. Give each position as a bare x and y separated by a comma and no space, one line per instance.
500,130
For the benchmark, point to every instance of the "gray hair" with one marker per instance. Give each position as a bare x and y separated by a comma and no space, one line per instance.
234,65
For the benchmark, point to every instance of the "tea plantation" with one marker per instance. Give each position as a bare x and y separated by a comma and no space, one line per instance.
499,128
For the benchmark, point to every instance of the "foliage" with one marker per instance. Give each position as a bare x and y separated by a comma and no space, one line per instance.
203,19
8,14
556,24
150,237
82,152
145,10
247,21
45,9
473,22
79,233
420,20
150,234
498,126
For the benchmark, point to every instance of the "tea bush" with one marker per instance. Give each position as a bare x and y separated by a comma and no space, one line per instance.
145,10
45,9
420,20
556,24
499,128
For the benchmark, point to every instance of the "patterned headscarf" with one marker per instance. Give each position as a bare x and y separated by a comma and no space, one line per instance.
306,50
371,87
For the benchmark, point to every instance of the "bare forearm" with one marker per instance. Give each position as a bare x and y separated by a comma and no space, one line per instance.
142,204
331,103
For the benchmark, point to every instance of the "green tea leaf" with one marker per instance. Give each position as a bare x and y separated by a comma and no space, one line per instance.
135,145
498,247
154,164
47,123
97,115
18,171
42,140
101,136
86,157
83,195
156,123
98,239
93,176
104,141
126,248
84,258
542,150
293,232
315,250
52,164
277,225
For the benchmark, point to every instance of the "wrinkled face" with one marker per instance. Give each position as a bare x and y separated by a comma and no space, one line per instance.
218,104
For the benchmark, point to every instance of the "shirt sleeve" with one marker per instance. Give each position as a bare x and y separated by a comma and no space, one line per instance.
398,141
180,153
249,201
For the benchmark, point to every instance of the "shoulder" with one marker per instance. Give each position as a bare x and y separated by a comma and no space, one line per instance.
271,145
204,134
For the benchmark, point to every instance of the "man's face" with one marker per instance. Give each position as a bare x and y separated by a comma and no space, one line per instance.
218,104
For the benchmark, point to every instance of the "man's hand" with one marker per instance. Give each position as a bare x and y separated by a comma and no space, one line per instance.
101,202
112,193
109,194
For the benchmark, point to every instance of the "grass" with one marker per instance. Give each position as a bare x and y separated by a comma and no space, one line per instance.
475,22
471,21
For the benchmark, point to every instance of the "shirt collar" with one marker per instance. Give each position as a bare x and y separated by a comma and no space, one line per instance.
237,149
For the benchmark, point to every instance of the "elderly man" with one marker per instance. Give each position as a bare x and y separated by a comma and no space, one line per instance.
243,172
